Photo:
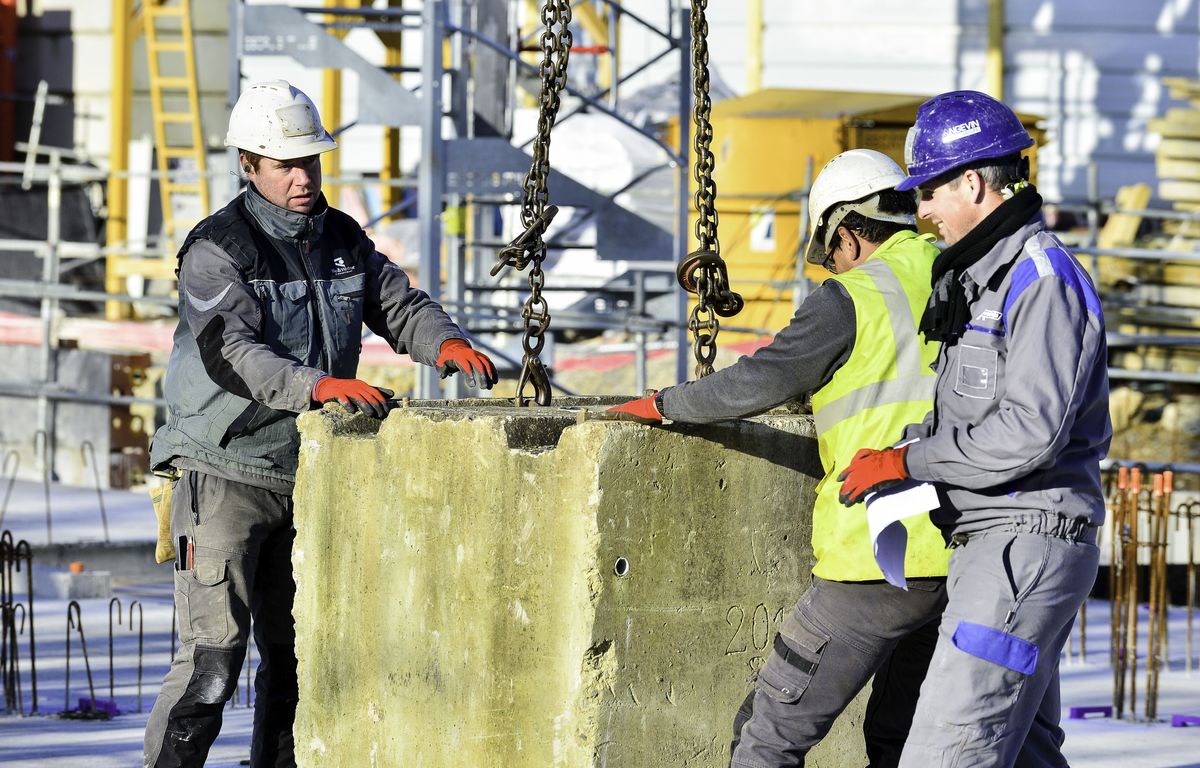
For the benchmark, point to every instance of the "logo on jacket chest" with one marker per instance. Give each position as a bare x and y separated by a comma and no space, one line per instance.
340,267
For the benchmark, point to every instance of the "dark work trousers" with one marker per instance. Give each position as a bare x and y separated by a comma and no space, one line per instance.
241,539
992,696
838,636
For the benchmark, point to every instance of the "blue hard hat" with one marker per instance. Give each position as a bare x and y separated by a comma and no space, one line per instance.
958,128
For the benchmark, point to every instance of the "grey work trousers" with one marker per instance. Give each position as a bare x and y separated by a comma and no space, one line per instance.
241,538
991,697
838,636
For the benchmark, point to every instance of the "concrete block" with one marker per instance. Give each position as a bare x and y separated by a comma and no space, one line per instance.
491,586
63,585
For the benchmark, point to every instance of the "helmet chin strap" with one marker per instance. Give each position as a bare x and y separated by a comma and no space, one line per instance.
869,208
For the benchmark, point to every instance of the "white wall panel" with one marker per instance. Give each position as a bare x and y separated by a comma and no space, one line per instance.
1080,15
852,15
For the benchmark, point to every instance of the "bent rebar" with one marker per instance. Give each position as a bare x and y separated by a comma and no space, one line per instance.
76,622
41,438
14,671
115,601
141,634
86,449
24,551
7,637
12,479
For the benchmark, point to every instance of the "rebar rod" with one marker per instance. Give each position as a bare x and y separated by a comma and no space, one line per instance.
76,622
86,450
117,602
141,635
12,479
23,550
40,437
6,637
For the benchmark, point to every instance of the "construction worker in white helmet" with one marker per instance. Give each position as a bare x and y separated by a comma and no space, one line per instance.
853,344
274,291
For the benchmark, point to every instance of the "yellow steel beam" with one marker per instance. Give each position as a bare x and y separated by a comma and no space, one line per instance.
534,19
331,111
597,28
592,22
754,41
995,53
390,168
121,107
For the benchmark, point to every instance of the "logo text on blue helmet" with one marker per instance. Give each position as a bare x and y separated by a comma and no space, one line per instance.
961,131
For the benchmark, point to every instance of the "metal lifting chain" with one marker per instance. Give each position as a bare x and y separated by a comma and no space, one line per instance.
529,248
703,272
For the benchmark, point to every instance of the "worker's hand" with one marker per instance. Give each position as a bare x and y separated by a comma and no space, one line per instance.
354,394
872,471
476,367
643,410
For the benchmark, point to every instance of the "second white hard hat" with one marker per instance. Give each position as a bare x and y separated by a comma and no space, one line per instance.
849,182
277,120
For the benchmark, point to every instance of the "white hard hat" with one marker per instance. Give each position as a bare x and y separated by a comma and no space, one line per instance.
276,120
849,182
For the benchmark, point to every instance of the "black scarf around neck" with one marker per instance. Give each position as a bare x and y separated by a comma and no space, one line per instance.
947,313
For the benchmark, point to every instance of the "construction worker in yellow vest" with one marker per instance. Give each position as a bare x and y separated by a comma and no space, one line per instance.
853,344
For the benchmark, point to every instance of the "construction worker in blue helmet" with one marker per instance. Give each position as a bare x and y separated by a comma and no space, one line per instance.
853,344
274,291
1013,444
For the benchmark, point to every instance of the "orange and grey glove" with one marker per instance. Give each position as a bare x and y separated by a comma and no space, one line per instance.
871,471
644,410
354,394
476,367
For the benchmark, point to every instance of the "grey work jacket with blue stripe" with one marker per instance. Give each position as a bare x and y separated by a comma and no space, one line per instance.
270,301
1020,420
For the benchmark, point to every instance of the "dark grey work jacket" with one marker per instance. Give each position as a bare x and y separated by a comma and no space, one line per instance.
1020,419
270,300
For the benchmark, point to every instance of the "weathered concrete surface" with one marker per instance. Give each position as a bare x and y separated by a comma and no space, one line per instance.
492,586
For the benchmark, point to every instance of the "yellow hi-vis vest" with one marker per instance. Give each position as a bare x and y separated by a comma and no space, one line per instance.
885,384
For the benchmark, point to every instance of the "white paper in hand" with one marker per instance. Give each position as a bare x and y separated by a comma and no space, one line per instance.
889,537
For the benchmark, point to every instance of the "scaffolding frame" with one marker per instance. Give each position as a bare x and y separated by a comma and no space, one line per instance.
60,256
461,169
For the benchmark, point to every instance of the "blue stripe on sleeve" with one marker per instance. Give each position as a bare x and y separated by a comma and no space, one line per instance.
1065,268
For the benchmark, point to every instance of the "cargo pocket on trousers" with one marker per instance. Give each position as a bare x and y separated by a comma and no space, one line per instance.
789,670
208,600
1009,651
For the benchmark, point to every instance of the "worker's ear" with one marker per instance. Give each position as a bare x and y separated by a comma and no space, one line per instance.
975,184
853,244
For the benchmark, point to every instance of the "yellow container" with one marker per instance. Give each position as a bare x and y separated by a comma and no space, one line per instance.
762,144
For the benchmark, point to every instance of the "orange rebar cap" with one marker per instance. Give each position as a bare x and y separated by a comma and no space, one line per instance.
76,566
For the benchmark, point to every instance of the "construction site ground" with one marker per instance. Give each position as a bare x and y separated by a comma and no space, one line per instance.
47,741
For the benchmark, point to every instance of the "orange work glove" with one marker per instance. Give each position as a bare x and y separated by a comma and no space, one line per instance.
644,410
354,395
872,471
476,367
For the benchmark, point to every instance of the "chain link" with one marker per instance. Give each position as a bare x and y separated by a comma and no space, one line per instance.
704,272
529,248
